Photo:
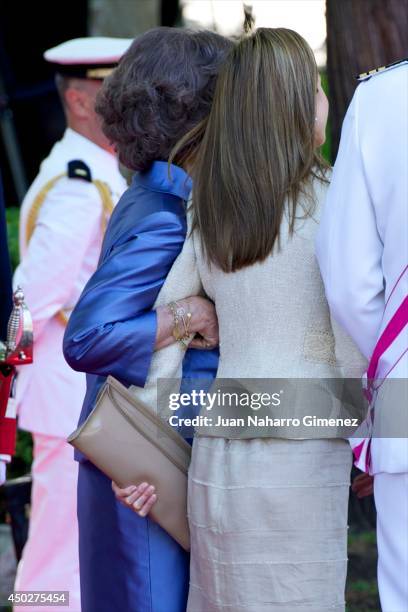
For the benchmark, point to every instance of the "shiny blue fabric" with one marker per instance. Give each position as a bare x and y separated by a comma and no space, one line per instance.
129,563
126,562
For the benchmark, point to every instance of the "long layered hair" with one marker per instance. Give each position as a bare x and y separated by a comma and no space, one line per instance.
257,152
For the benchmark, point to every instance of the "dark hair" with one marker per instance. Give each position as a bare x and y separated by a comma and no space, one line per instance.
162,88
257,153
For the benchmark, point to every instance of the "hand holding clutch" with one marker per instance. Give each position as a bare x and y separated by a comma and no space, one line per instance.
140,499
131,444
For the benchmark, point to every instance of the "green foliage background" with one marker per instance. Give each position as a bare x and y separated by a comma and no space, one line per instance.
326,148
12,216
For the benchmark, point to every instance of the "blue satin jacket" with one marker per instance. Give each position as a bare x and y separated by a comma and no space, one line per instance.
128,562
112,329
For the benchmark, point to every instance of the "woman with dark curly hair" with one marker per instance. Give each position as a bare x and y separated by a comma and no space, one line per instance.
162,89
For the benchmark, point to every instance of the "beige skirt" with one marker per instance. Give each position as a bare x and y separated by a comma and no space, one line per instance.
268,521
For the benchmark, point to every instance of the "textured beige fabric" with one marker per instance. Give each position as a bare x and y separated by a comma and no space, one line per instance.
273,316
268,525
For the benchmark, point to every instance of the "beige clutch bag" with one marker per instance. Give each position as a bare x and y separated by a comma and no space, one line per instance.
131,444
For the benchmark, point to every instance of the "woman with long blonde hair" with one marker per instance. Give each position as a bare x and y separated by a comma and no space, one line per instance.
268,515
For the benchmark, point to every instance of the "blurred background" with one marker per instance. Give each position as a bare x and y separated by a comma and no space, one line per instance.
347,36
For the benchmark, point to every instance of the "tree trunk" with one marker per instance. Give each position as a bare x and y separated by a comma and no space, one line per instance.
170,13
361,35
122,18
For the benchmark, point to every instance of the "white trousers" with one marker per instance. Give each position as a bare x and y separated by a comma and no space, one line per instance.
391,500
50,559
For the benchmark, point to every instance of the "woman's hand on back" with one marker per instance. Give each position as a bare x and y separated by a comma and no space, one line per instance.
203,323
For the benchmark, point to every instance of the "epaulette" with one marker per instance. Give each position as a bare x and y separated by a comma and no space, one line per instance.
364,76
78,169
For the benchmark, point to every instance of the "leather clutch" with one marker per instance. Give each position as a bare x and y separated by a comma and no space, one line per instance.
127,441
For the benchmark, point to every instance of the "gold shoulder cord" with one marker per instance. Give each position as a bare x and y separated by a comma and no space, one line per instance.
32,217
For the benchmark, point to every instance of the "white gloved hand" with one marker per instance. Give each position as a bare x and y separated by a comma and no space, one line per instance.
3,465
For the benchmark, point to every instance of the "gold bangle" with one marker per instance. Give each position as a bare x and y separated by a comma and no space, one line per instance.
182,322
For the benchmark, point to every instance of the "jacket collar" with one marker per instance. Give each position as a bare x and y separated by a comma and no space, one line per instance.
84,148
159,177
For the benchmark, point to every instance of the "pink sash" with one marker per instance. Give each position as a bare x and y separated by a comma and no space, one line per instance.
362,445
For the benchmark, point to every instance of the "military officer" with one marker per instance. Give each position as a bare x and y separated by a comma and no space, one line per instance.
63,217
362,249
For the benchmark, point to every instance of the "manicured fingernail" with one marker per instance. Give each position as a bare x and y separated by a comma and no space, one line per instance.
139,503
145,511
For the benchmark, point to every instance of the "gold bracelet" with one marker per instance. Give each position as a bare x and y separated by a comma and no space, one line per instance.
182,322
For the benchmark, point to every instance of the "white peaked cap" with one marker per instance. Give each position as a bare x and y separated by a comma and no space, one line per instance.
91,57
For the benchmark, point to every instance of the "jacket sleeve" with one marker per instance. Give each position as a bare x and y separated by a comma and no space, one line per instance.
68,221
349,248
112,330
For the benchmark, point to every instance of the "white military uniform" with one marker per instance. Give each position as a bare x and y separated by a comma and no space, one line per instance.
55,266
362,249
59,259
61,232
